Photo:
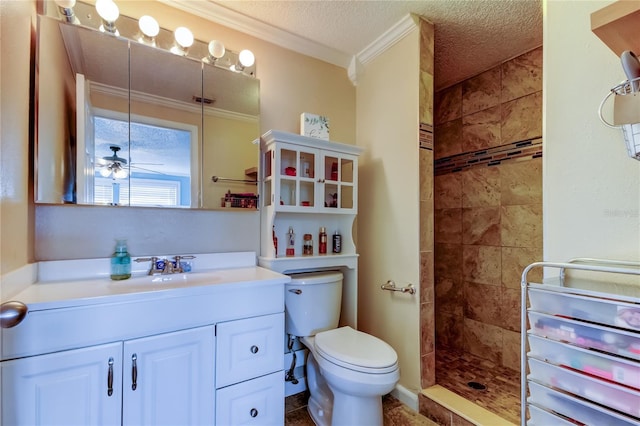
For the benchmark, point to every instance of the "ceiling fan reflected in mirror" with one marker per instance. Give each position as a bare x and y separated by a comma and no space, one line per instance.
113,165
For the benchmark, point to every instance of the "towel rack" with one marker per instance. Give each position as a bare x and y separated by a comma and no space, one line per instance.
391,286
245,181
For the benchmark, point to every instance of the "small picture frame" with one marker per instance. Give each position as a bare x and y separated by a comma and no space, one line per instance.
315,126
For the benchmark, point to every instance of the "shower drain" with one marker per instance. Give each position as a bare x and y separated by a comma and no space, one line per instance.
476,386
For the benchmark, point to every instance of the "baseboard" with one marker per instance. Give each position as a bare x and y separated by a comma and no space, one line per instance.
405,396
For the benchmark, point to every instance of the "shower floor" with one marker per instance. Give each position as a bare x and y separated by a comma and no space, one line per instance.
454,370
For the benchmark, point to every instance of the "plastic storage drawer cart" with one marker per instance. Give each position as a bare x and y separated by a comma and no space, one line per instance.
581,344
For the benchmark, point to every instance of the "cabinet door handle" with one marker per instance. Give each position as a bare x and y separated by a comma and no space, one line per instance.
134,371
254,349
320,180
110,378
253,412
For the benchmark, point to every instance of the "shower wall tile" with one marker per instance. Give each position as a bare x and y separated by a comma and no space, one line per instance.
482,303
514,260
448,261
511,350
448,104
426,175
481,264
481,92
448,139
521,226
428,369
481,225
448,226
522,76
481,130
481,187
427,328
448,191
521,182
510,309
483,340
426,226
426,277
449,295
450,331
522,118
425,109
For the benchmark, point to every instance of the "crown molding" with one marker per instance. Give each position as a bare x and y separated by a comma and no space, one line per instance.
221,15
393,35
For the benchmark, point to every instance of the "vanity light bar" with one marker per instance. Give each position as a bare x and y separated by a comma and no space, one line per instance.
148,31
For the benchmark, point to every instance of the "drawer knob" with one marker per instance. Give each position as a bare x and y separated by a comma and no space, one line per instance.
254,349
253,412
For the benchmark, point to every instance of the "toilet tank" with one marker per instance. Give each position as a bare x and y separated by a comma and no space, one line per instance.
312,302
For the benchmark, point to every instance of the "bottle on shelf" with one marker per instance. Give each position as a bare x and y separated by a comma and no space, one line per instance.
120,262
307,245
291,242
322,241
337,242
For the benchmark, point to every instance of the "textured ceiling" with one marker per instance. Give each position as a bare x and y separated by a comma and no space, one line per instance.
471,35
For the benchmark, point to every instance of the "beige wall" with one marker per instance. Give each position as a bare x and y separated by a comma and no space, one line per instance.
290,84
388,209
16,218
591,187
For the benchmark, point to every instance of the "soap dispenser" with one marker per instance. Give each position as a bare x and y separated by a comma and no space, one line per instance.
120,262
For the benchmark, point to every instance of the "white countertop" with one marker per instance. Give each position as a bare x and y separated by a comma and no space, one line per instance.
53,290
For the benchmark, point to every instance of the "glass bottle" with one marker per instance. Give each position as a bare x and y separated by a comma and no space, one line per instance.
307,247
291,242
120,262
322,243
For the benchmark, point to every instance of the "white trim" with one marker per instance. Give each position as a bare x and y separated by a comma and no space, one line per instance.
232,19
405,396
393,35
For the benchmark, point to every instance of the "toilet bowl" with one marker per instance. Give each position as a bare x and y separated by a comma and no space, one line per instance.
348,371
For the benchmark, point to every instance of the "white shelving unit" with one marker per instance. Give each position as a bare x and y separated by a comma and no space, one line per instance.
581,350
308,183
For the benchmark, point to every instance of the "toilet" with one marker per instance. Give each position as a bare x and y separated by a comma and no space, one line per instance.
348,371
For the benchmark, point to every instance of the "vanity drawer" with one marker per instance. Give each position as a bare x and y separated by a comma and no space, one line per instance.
541,417
258,402
249,348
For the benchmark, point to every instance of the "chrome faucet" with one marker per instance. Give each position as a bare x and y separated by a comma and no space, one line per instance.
170,267
154,264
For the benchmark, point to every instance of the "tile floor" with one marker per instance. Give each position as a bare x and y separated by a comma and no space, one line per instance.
395,413
502,394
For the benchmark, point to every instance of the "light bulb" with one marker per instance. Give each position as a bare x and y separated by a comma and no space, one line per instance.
149,26
120,173
216,49
107,10
65,8
246,58
105,172
184,37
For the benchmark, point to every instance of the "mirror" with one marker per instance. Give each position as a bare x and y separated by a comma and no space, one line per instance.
122,123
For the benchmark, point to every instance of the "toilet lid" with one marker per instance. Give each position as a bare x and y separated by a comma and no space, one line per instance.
356,350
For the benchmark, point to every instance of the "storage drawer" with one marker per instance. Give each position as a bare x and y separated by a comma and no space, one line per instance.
616,369
249,348
607,339
561,301
540,417
617,397
576,409
257,402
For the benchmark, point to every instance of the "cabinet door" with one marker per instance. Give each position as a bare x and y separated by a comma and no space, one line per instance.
76,387
338,182
295,180
168,379
249,348
258,402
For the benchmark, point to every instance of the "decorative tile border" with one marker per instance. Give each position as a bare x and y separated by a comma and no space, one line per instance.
517,151
426,136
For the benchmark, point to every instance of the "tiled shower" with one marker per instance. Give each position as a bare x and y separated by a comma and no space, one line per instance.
487,207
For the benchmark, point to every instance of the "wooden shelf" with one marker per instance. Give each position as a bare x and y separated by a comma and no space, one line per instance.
618,26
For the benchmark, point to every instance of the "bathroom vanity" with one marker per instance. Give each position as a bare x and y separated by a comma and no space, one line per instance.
197,348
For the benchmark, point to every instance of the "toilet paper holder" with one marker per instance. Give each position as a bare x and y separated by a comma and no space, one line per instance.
390,285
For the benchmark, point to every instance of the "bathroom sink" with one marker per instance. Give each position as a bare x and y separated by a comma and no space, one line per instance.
155,282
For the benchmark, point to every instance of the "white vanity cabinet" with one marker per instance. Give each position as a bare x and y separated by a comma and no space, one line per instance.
115,355
163,379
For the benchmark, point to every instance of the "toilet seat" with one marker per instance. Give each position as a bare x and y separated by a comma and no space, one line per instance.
356,350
